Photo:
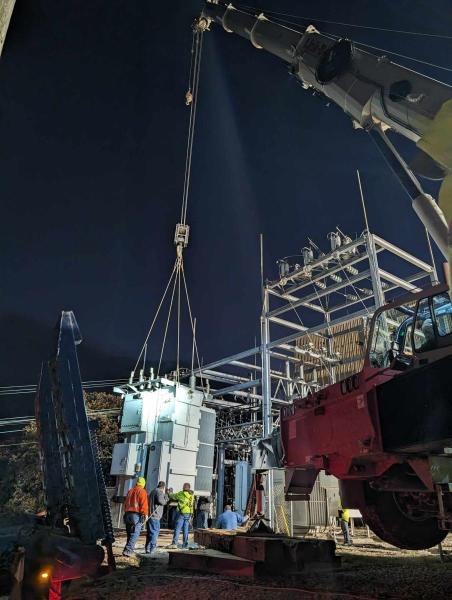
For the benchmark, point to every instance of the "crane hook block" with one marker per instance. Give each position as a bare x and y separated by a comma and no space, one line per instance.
188,98
181,235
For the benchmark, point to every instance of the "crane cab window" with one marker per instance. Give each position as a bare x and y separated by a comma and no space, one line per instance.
412,327
381,343
402,343
424,332
391,335
433,323
407,345
442,310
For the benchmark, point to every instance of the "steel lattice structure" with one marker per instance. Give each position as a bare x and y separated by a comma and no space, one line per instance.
313,329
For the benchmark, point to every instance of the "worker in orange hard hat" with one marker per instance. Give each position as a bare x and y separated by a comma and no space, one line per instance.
136,509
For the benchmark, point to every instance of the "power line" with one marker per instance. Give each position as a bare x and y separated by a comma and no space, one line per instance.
19,444
14,390
11,421
32,385
32,388
11,431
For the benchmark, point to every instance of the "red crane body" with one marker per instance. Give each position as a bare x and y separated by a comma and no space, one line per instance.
386,431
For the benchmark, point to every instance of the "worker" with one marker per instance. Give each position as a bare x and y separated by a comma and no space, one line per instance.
136,509
344,517
157,500
185,502
202,513
230,519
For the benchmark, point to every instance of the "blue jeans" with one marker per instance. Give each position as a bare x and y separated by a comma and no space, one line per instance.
182,522
345,531
152,534
202,520
133,528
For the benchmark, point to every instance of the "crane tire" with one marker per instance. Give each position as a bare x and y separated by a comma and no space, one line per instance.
385,518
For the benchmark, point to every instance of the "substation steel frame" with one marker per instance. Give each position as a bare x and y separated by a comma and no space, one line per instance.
261,386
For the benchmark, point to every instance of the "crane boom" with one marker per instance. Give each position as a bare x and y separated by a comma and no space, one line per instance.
374,92
370,89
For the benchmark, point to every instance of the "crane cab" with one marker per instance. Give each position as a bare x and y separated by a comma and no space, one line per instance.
412,331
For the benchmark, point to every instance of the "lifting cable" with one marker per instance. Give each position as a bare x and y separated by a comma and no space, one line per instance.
167,321
193,328
182,229
273,13
191,99
277,19
154,319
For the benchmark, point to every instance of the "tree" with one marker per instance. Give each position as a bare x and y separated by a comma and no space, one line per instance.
107,425
20,474
21,486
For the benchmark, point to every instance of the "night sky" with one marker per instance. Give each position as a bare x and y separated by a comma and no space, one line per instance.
93,129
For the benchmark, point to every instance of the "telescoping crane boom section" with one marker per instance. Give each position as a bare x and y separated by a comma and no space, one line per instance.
374,92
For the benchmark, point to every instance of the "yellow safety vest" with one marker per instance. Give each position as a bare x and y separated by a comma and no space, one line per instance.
344,513
345,516
185,502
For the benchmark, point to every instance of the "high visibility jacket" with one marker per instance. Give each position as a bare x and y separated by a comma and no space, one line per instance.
344,513
345,516
137,501
185,502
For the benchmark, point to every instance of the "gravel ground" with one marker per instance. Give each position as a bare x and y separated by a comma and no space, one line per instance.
370,569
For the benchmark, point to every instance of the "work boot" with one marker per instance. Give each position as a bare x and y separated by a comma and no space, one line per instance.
128,554
172,547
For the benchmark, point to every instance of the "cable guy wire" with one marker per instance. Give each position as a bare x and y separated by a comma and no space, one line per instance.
355,25
275,18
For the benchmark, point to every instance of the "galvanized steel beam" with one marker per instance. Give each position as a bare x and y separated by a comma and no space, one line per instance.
319,294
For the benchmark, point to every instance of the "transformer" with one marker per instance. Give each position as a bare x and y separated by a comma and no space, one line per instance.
169,436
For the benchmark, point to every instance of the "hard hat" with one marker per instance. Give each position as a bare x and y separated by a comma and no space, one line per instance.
141,481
